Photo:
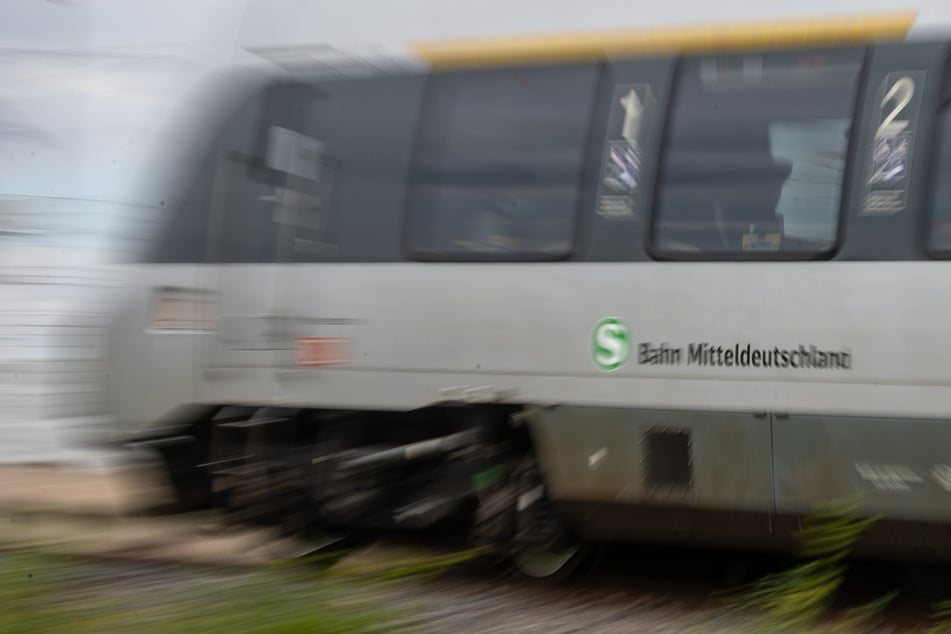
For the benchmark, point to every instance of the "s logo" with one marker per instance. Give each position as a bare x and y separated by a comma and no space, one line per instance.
610,344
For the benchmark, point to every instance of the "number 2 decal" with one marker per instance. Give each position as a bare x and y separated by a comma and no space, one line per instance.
890,150
900,94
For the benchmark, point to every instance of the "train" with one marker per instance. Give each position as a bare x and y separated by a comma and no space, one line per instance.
687,292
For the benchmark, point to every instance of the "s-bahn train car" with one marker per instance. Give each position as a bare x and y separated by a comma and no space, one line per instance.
682,296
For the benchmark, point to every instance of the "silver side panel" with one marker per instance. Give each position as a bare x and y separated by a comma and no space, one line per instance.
237,360
415,331
604,455
153,343
416,334
900,467
528,329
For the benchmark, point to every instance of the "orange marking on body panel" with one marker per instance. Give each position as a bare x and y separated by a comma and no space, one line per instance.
322,351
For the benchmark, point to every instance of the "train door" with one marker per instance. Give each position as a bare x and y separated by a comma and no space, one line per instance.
342,244
894,464
262,158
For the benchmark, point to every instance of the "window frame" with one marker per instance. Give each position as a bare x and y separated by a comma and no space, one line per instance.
224,96
409,244
927,217
853,146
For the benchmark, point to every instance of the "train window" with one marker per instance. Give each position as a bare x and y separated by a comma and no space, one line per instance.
260,191
247,232
939,234
498,163
366,162
185,238
755,156
268,181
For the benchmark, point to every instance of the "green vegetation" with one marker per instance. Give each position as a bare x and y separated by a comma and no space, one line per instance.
343,592
799,599
400,564
321,594
46,593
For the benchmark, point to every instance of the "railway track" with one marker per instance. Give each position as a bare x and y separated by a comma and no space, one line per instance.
154,552
628,589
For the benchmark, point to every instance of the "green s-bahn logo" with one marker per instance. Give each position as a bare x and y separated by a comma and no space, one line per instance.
610,344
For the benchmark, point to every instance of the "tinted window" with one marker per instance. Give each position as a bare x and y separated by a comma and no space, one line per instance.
498,163
939,235
269,180
260,189
755,155
369,128
183,235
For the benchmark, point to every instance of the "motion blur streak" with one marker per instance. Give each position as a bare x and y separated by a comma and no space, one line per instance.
84,88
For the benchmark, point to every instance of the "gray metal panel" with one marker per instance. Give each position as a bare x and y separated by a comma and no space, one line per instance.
151,353
598,454
893,235
896,467
238,357
621,239
182,231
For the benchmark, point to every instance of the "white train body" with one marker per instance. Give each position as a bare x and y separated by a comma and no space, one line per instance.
709,285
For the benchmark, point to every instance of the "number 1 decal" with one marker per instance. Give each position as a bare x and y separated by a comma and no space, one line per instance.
889,163
618,190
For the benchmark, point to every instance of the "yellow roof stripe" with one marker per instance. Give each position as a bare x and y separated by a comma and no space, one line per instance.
837,30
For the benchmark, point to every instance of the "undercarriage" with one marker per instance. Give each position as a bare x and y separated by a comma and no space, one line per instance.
457,469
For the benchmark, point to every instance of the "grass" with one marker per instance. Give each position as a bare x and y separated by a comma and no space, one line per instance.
28,587
407,563
801,598
45,592
40,592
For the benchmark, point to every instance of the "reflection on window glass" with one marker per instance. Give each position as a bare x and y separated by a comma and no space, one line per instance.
270,179
499,161
939,236
260,190
247,232
183,235
756,154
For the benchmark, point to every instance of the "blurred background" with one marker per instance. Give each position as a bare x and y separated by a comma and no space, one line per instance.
88,93
84,86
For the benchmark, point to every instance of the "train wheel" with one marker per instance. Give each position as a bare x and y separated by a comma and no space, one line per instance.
543,547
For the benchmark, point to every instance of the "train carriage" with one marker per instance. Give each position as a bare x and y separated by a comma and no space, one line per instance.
691,294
